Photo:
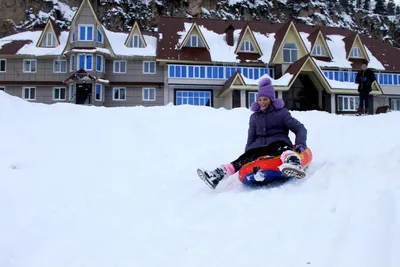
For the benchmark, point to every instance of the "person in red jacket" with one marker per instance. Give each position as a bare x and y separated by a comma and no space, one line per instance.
365,77
268,135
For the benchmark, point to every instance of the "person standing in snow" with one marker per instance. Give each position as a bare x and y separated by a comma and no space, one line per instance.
365,77
268,135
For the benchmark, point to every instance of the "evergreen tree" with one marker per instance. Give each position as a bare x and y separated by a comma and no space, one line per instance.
397,10
367,5
380,7
391,7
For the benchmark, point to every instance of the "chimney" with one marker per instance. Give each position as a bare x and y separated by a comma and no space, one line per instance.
229,35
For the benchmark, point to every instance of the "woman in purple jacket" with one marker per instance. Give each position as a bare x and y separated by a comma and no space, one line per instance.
268,135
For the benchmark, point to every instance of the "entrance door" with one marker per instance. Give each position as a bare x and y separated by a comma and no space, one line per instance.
303,95
83,93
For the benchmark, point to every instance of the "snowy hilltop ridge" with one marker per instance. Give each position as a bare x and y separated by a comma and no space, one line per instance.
377,18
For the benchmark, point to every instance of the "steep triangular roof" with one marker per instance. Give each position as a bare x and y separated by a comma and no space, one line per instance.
99,26
248,32
319,37
194,28
51,26
289,26
304,63
135,29
354,40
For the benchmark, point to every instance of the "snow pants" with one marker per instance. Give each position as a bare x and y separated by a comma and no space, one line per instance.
273,149
364,100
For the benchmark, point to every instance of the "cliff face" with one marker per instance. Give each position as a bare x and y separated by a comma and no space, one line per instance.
118,15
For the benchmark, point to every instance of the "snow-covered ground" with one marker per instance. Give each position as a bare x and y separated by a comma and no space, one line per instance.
114,187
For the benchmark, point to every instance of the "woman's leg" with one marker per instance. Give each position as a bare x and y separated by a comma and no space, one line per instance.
273,149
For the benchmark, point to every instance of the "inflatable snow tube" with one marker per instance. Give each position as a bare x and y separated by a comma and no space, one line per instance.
269,167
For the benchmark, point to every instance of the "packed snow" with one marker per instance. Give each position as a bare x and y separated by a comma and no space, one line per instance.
94,186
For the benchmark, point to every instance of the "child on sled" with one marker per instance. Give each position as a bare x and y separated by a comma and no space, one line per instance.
268,135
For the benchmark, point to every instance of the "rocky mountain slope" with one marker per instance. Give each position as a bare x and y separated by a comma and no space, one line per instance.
377,18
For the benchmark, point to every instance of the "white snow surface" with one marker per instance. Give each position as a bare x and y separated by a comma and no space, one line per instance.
94,186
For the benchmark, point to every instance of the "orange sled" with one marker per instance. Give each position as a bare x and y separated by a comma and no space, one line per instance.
269,168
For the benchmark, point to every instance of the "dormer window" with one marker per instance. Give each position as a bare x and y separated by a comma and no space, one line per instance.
318,50
85,32
135,41
99,36
194,41
290,53
355,52
49,40
247,46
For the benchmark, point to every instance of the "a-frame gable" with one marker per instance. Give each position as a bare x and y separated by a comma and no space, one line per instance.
307,63
358,43
291,35
49,28
321,40
235,80
136,31
194,29
99,26
247,34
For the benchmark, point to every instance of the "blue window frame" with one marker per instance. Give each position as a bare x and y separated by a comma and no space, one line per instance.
215,72
99,36
99,63
251,97
86,32
86,62
196,98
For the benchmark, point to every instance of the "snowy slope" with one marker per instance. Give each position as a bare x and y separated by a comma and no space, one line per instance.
101,187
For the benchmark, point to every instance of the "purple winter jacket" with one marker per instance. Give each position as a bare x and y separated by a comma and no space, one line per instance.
273,124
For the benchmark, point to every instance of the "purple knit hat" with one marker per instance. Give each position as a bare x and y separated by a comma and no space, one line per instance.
265,88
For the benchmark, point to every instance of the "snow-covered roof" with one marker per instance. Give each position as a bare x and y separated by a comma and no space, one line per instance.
269,38
30,39
283,81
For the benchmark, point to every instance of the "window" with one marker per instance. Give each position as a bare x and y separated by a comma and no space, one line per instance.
59,66
73,37
290,52
318,50
247,46
72,63
49,40
135,41
215,72
251,97
99,36
149,67
59,93
2,65
196,98
2,88
29,65
99,63
29,93
119,66
355,52
85,62
149,94
85,32
119,93
348,103
99,92
395,104
194,41
341,76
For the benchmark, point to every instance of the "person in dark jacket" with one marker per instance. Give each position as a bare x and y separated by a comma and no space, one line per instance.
365,77
268,135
